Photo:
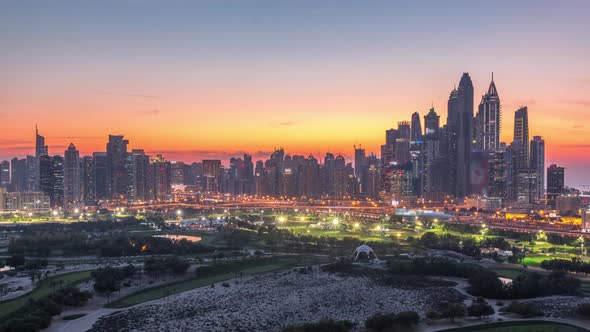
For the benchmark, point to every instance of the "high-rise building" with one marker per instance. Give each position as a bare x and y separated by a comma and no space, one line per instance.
140,170
118,173
537,164
18,175
211,175
5,173
451,139
52,178
100,175
87,180
464,136
34,170
416,127
161,172
431,123
71,175
555,182
521,129
488,120
359,161
309,178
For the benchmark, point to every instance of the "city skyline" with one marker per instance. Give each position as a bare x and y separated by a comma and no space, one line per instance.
323,86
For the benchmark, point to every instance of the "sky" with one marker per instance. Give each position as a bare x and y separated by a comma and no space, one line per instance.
214,79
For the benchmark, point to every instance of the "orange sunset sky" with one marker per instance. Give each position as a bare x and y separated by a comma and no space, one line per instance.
215,79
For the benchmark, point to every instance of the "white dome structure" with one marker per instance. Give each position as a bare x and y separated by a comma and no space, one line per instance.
364,252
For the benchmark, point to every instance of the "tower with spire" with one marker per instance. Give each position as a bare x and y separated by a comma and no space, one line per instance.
488,120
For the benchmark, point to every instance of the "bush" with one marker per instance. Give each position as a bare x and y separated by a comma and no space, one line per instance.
322,326
523,309
380,322
480,309
583,310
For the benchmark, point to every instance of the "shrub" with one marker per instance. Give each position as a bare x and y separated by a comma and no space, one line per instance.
523,309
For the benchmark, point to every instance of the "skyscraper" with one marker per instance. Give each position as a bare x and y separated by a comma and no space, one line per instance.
451,136
100,175
5,173
211,175
71,175
18,174
118,175
555,182
431,123
464,136
52,178
521,129
140,183
488,120
537,164
87,180
416,127
40,150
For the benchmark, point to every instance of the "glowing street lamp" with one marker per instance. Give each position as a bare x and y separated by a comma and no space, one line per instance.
281,219
179,212
335,221
54,213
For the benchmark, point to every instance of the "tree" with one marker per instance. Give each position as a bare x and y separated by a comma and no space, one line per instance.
15,261
453,310
480,309
407,318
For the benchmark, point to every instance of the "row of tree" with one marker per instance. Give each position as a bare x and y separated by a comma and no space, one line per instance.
483,282
38,313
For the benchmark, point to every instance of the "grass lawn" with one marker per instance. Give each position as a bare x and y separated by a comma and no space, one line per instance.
365,232
228,271
43,288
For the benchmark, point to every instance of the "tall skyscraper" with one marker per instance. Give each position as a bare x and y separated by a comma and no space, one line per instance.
40,150
416,127
5,173
211,175
52,178
71,175
18,174
118,174
87,180
140,183
100,175
359,161
555,182
521,129
488,120
451,137
537,164
464,136
431,123
161,176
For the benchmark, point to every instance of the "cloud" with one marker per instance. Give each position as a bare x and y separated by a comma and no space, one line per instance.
287,123
580,102
149,112
574,146
577,126
128,94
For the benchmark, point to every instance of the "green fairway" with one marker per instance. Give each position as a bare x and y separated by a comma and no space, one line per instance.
522,326
227,271
44,288
366,232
